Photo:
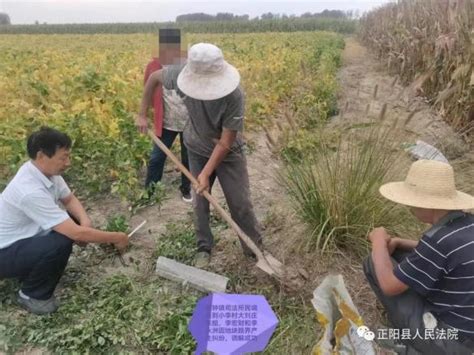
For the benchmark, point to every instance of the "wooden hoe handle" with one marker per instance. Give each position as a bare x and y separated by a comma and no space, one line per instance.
212,200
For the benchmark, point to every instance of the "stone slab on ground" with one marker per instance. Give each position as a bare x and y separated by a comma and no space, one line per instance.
197,278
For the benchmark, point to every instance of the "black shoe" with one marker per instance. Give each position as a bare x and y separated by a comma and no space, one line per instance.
187,197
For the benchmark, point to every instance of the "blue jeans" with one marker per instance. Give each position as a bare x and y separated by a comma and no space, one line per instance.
156,164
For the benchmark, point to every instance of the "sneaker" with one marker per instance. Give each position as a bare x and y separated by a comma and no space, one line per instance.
39,307
187,197
202,259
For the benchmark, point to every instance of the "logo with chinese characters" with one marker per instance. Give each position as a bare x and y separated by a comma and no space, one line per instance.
366,333
407,334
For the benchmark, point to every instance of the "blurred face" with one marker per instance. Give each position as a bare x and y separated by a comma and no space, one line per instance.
430,216
423,214
170,53
56,165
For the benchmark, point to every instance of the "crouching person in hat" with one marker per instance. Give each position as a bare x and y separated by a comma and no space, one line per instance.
36,234
427,286
215,102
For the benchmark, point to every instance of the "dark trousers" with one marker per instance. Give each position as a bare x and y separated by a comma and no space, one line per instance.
156,164
234,180
405,311
38,263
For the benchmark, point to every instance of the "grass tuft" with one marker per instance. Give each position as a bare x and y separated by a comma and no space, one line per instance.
336,192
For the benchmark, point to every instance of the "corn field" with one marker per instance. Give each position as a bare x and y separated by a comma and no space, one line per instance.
430,45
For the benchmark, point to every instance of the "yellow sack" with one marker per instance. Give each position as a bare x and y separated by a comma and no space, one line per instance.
340,319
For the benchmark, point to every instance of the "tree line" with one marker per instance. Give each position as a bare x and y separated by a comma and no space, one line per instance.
227,16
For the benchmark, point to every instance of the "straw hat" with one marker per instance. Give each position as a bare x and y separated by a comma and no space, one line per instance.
207,76
429,184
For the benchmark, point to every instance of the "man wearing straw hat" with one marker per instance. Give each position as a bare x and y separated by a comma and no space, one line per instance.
427,286
215,102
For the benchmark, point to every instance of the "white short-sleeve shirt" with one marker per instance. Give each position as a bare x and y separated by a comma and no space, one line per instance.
29,205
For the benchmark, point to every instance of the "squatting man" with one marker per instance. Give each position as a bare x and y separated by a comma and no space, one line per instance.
36,234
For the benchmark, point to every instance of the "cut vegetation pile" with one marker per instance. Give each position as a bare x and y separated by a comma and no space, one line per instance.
429,44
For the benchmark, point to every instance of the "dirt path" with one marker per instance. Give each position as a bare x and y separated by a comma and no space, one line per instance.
366,87
360,77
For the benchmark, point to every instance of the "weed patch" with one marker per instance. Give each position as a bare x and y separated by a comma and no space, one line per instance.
178,243
112,315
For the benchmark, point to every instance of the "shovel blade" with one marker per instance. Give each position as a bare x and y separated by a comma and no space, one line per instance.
289,277
275,263
269,264
263,265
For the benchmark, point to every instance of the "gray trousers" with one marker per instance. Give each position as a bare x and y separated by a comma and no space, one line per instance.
234,180
405,311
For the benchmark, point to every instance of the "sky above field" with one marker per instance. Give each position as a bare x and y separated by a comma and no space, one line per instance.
93,11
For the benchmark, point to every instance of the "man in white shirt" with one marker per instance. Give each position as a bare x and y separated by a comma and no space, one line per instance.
36,234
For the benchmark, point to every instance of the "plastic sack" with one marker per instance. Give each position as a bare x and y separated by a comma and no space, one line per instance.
423,150
340,320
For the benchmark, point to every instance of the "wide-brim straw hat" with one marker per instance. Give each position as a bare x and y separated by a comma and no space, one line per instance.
207,76
429,184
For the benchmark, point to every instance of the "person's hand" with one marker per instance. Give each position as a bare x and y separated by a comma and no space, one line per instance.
122,242
203,183
379,234
393,244
141,123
